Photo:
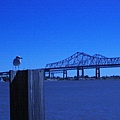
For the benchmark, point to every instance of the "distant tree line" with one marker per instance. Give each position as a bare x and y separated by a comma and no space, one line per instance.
86,77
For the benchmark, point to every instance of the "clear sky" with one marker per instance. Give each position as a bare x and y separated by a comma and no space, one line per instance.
44,31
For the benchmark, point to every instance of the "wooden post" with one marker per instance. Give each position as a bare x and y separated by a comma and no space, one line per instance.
26,95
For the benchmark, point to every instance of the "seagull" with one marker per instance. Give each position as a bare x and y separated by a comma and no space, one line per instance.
17,61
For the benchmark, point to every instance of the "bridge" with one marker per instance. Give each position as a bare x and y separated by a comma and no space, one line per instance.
78,61
81,61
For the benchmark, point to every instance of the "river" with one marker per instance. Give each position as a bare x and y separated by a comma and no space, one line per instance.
74,100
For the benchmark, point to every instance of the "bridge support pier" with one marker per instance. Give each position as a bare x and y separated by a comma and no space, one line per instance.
52,75
78,74
48,74
64,74
82,72
97,73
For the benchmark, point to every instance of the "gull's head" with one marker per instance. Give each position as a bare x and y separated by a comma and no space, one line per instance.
18,57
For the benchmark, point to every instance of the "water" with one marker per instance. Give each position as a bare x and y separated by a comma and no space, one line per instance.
4,101
74,100
82,100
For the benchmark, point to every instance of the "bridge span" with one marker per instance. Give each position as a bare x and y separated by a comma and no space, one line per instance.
80,61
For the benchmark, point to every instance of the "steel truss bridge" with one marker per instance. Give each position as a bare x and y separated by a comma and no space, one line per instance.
81,61
78,61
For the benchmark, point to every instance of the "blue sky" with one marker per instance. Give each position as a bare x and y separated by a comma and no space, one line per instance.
43,31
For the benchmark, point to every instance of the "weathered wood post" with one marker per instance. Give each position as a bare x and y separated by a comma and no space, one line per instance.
26,95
